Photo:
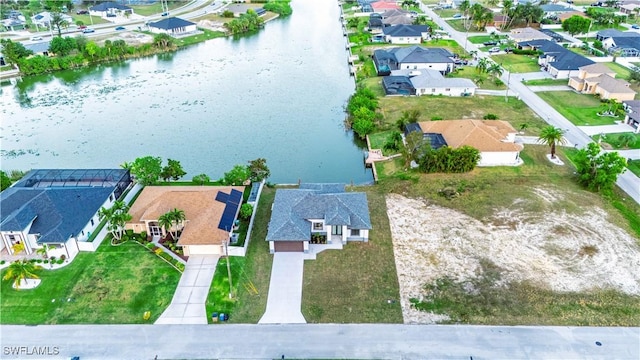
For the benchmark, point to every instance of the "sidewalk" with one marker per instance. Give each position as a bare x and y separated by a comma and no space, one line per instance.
606,129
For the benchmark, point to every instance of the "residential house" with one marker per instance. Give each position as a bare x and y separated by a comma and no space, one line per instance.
317,213
426,82
14,21
210,211
375,23
527,34
565,15
500,21
630,9
44,19
495,139
554,35
109,8
599,79
413,57
558,61
173,26
39,48
406,34
384,5
632,117
240,9
621,43
58,208
554,10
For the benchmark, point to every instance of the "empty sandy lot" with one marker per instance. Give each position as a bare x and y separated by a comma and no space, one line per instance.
560,251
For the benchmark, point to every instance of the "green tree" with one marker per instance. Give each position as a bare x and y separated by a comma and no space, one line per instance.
258,170
362,121
14,51
92,49
483,65
494,70
201,179
598,170
116,216
634,73
414,145
576,25
551,135
163,41
173,222
5,180
172,171
237,176
20,272
165,221
58,21
62,46
146,170
627,139
245,211
407,117
394,143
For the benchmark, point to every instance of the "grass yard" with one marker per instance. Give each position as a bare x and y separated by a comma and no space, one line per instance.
206,35
634,166
114,285
580,109
451,108
614,141
450,45
621,71
483,80
353,285
378,140
447,13
480,39
88,20
517,63
155,8
546,82
252,272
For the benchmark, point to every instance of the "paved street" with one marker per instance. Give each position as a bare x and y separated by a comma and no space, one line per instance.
305,341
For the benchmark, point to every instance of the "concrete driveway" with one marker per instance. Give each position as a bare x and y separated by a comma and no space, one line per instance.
285,290
187,305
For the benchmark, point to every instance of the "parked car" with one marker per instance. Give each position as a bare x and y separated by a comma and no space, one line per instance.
36,38
88,31
164,14
120,28
494,49
569,1
457,16
82,27
111,15
490,43
82,12
635,26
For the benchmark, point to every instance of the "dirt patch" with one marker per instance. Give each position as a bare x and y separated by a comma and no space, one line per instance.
130,37
431,242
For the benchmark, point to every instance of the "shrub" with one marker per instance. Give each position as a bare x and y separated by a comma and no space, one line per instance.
60,261
39,261
436,118
46,261
227,14
498,82
245,211
150,246
180,266
2,262
63,257
490,117
143,235
52,258
158,251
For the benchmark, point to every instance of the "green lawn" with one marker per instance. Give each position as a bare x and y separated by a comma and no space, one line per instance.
517,63
114,285
483,80
155,8
451,108
353,285
447,13
613,140
479,39
545,82
634,166
580,109
378,140
251,272
621,71
89,20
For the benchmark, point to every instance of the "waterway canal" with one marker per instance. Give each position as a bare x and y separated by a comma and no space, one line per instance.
278,94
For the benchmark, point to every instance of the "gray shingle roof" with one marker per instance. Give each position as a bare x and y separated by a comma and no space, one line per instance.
405,30
171,23
109,5
564,59
293,207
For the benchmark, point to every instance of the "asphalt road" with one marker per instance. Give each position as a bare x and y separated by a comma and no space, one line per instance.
627,181
305,341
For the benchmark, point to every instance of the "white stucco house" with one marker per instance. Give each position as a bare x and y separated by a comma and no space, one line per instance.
57,208
406,34
172,26
413,58
495,139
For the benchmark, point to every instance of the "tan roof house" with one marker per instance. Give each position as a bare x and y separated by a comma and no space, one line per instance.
494,138
528,34
564,16
210,213
599,79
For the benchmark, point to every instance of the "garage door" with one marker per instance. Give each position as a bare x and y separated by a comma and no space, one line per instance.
289,246
203,250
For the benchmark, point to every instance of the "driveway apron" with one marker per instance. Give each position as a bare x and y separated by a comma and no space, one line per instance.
285,290
187,305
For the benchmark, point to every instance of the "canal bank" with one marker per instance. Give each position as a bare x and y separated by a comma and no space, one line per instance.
211,106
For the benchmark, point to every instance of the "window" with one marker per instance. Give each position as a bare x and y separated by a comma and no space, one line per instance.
111,197
318,226
447,90
82,232
91,222
355,232
433,90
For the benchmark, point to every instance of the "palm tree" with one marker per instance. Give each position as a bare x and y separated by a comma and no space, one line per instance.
21,270
165,221
507,6
627,139
464,7
178,218
43,251
58,21
117,216
551,136
494,70
482,65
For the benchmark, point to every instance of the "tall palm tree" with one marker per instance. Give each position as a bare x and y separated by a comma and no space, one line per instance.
482,65
165,221
464,8
494,70
21,270
627,139
117,216
178,218
551,136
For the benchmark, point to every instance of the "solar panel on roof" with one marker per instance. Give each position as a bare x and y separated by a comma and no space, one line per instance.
235,197
435,140
231,208
222,197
